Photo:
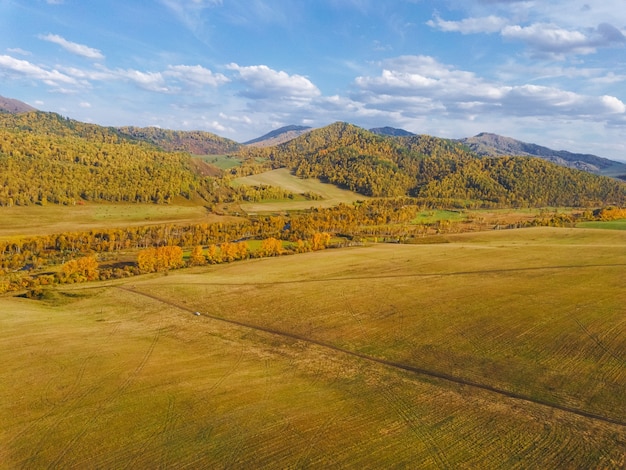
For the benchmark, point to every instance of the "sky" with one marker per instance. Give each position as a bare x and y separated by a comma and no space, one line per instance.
547,72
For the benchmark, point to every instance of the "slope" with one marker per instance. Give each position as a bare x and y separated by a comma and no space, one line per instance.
486,144
11,106
193,142
440,171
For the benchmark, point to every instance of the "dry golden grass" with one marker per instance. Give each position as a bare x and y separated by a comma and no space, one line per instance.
123,375
330,194
43,220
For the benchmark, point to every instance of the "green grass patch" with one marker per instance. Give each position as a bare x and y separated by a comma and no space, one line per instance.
606,225
224,162
432,216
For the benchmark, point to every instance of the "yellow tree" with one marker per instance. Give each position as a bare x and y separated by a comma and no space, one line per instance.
320,240
213,255
197,256
147,260
229,251
80,270
271,247
242,250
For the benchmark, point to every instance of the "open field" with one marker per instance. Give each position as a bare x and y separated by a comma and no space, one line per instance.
223,162
41,220
282,178
501,349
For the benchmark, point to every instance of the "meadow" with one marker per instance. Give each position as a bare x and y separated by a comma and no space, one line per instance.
330,194
499,349
50,219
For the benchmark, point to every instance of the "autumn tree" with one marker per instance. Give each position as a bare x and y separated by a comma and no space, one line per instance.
271,247
80,270
320,240
197,256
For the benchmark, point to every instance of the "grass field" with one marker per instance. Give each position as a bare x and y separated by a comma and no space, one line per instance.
501,349
331,195
608,225
224,162
39,220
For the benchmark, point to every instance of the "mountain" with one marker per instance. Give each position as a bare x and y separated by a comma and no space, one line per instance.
193,142
278,136
48,158
391,131
493,145
441,172
9,105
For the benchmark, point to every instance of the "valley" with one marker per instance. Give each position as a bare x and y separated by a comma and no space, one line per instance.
337,298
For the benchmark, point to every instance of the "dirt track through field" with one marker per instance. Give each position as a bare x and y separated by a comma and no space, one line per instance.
396,365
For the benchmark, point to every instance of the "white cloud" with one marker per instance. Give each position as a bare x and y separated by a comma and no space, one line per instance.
151,81
265,83
196,75
23,68
487,24
549,38
73,47
17,50
419,85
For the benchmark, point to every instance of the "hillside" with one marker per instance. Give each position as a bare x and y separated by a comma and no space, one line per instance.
278,136
9,105
193,142
45,158
493,145
440,171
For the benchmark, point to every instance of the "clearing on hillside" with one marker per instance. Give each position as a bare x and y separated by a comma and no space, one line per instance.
330,194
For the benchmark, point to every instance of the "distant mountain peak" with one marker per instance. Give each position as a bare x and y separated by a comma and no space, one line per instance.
278,136
492,145
11,106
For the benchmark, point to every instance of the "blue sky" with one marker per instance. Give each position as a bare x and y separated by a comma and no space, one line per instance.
551,73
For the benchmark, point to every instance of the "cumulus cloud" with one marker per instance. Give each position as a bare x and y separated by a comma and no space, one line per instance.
150,81
420,85
550,38
196,75
265,83
74,48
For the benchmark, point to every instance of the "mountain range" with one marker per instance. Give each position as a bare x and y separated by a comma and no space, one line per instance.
483,145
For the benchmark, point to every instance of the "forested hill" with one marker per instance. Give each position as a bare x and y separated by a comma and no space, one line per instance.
193,142
52,124
440,170
45,158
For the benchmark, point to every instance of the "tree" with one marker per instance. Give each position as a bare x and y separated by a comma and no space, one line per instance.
197,256
271,247
320,240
